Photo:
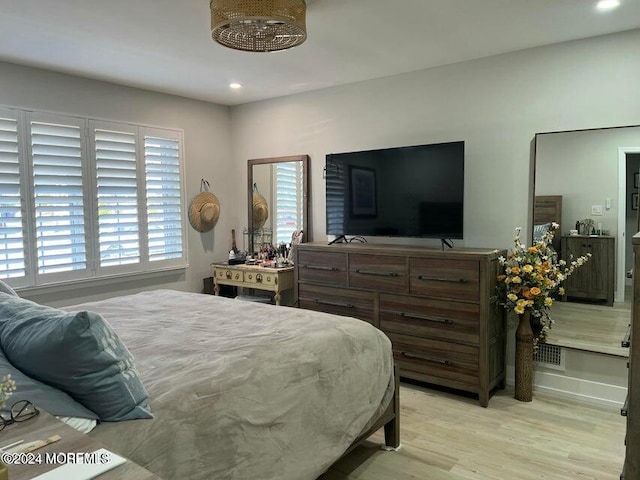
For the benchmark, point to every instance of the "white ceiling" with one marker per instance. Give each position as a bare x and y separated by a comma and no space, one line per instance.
165,45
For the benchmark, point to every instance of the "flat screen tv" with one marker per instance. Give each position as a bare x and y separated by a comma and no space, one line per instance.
415,191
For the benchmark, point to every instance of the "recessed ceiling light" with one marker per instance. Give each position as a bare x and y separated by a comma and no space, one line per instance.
608,4
235,86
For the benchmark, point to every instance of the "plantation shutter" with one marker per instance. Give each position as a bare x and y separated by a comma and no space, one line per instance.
57,163
336,198
164,197
12,253
288,200
117,194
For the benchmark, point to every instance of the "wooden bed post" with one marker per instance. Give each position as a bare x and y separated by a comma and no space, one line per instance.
392,427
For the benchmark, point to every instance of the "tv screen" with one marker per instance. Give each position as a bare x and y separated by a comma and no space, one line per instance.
415,191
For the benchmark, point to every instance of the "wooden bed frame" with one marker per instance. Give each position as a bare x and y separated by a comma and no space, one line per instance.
547,209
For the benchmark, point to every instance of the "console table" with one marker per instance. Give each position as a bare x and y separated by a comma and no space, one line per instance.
275,280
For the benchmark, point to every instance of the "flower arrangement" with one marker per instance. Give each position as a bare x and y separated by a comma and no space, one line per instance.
532,278
7,386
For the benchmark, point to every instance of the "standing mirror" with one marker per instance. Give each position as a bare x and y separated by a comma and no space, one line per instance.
587,181
278,200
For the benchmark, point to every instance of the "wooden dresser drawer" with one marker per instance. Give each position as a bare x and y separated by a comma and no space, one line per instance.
261,278
322,267
386,273
436,360
350,303
224,273
430,318
456,279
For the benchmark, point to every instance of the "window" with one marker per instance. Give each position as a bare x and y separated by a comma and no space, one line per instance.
84,198
12,261
288,200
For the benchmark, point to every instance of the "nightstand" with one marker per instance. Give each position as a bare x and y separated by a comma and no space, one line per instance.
45,426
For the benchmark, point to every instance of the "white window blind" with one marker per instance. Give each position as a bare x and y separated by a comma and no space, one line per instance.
117,195
336,192
164,199
57,153
83,198
12,255
288,200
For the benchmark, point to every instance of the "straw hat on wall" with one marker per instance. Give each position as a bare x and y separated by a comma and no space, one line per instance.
204,211
260,210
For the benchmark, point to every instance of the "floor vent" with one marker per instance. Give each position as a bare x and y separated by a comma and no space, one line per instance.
549,356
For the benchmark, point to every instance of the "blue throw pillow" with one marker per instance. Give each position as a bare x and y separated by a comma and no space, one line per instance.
43,396
77,352
540,231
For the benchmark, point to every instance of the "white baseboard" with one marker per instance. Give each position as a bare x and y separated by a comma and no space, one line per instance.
585,391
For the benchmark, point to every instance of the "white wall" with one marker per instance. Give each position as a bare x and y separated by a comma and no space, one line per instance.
207,155
496,105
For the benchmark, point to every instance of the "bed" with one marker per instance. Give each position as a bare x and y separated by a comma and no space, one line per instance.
241,390
547,209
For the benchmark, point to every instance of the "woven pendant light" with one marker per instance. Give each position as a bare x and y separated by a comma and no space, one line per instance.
258,25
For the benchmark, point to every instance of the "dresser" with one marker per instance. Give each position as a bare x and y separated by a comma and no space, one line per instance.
595,280
439,308
631,407
276,280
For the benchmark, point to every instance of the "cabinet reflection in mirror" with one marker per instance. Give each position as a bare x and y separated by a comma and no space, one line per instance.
277,200
585,180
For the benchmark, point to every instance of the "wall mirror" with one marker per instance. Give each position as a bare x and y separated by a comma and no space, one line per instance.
278,200
587,180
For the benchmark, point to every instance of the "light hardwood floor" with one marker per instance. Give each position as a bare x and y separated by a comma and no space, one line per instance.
596,328
446,436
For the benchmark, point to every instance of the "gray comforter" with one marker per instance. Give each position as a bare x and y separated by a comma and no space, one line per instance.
242,390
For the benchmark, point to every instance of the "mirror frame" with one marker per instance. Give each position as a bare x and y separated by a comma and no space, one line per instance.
305,192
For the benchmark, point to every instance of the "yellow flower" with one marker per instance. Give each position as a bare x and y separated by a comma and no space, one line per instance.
561,290
521,303
515,270
527,268
535,291
516,279
548,302
533,249
519,310
512,297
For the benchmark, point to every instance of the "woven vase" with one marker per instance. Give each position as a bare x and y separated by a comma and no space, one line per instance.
524,359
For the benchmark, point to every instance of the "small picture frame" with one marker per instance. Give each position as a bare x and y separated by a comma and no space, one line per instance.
636,180
634,201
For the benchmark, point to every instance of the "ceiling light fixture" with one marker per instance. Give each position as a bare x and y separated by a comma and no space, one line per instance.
608,4
235,86
258,25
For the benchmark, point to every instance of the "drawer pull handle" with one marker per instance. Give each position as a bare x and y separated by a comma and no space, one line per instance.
442,279
626,342
428,359
426,317
228,274
334,304
320,267
373,272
